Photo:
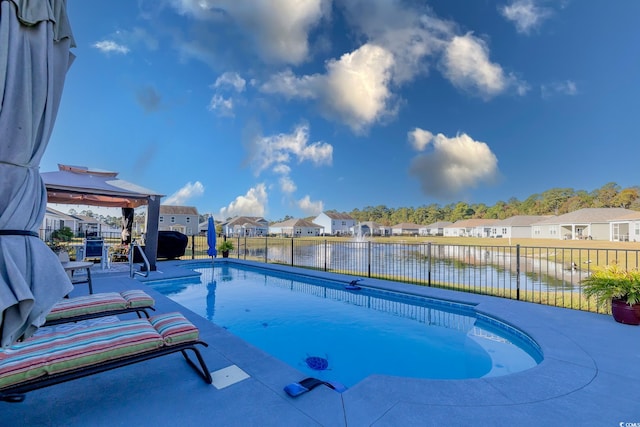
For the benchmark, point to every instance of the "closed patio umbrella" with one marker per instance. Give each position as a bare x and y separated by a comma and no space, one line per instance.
35,38
211,238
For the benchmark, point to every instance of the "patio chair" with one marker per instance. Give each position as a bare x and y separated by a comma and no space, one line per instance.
93,249
49,359
100,305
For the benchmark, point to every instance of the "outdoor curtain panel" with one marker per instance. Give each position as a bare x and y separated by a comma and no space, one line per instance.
35,38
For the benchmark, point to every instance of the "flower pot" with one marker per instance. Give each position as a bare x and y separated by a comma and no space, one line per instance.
225,254
625,313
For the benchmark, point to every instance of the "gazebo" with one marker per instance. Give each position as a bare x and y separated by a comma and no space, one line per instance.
94,187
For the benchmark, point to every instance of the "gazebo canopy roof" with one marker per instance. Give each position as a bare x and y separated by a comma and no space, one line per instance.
95,187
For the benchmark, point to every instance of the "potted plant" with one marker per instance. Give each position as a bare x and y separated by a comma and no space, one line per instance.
618,287
224,247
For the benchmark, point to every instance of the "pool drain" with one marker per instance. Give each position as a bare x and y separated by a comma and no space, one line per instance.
317,363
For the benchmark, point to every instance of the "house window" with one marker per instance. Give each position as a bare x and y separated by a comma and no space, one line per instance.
173,219
161,219
188,219
537,231
189,231
504,230
637,229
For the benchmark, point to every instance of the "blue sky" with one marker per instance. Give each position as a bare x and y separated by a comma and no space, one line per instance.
282,107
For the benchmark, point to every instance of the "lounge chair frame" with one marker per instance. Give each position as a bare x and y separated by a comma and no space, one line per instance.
171,331
16,392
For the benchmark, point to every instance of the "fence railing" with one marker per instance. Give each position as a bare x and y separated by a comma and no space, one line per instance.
544,275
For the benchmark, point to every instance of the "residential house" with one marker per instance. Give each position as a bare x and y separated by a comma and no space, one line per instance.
183,219
55,220
405,229
88,226
370,228
249,226
334,223
626,228
476,227
295,228
588,223
435,229
518,226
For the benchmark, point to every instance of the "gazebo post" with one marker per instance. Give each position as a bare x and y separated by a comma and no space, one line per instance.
151,236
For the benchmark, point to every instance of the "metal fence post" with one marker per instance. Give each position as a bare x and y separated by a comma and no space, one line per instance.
518,272
193,246
429,264
369,259
292,251
266,248
325,254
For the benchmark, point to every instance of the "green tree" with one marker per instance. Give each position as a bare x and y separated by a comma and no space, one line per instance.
605,196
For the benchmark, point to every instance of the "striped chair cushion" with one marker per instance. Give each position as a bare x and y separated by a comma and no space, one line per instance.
174,328
88,304
64,351
136,298
99,303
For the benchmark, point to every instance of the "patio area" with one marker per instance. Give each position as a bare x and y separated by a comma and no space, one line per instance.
590,375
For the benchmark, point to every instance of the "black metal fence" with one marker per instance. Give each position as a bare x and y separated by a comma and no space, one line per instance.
544,275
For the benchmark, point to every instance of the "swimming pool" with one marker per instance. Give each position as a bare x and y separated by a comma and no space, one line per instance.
340,335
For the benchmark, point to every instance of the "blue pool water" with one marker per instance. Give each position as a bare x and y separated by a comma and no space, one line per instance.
343,335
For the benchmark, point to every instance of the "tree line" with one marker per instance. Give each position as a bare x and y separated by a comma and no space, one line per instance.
556,201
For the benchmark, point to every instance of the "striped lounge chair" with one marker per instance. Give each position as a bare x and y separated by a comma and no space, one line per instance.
100,305
49,359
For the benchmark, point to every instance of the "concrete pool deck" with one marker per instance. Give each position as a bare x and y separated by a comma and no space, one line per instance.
590,376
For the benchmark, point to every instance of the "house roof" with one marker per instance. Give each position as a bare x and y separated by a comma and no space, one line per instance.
587,216
470,223
178,210
406,225
60,215
338,215
245,220
521,220
630,217
296,223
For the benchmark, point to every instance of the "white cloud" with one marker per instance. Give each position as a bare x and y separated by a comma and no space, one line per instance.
309,207
110,46
525,14
287,185
454,165
226,83
411,35
567,87
467,66
183,195
221,105
419,138
279,29
251,204
232,80
287,84
354,90
357,86
278,150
